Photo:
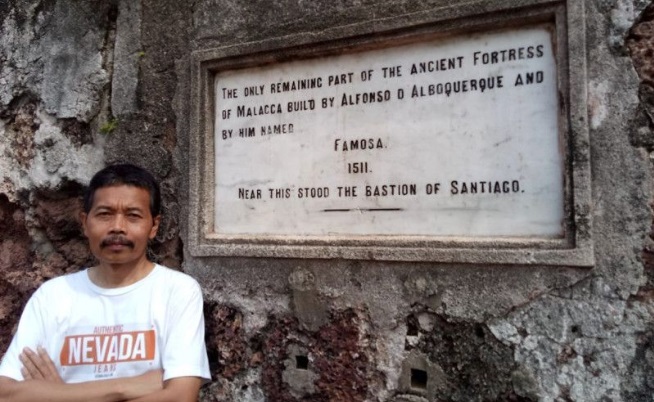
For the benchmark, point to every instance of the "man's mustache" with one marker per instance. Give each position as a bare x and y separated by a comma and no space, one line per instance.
114,240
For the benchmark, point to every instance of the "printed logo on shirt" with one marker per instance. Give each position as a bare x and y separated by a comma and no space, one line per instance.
108,345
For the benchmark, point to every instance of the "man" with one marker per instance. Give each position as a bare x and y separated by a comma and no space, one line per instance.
125,329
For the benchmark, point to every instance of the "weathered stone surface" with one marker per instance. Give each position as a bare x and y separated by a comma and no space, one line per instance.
307,306
577,347
638,385
59,219
21,125
472,364
127,56
73,75
55,50
16,281
641,46
225,340
338,356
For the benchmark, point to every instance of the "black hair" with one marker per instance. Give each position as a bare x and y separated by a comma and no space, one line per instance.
125,174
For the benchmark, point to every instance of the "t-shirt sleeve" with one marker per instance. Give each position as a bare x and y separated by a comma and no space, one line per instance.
30,334
185,353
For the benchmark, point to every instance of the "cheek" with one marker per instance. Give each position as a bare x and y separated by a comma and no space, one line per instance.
94,243
91,234
144,233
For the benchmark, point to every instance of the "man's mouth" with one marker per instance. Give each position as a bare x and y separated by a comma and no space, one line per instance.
116,242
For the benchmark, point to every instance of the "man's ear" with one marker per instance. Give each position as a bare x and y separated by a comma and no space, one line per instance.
155,227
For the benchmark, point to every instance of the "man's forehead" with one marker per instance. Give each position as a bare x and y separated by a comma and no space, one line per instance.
124,194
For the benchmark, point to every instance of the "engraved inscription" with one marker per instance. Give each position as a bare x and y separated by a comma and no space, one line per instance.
449,137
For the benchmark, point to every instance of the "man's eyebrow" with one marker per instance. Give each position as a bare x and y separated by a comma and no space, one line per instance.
107,207
133,209
111,208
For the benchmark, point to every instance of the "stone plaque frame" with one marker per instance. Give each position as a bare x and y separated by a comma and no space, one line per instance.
573,249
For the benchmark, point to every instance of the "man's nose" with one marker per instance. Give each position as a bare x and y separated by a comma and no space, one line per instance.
118,224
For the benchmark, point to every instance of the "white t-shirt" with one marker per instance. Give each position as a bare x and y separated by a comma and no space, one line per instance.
94,333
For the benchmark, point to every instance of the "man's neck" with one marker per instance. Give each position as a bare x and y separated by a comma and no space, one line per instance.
119,275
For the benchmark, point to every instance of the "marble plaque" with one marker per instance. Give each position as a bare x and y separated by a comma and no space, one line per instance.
445,137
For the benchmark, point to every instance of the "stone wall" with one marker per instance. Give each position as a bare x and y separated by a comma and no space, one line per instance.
84,83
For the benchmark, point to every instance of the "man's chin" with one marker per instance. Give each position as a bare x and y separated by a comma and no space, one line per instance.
116,258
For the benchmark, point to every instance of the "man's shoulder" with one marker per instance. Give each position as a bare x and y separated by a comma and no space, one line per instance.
56,294
177,279
67,281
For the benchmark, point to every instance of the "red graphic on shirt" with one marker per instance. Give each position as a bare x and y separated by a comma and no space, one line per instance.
102,348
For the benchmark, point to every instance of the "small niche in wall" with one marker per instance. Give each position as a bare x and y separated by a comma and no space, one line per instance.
418,379
412,328
301,362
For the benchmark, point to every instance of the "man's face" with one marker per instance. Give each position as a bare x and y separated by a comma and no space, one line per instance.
120,224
